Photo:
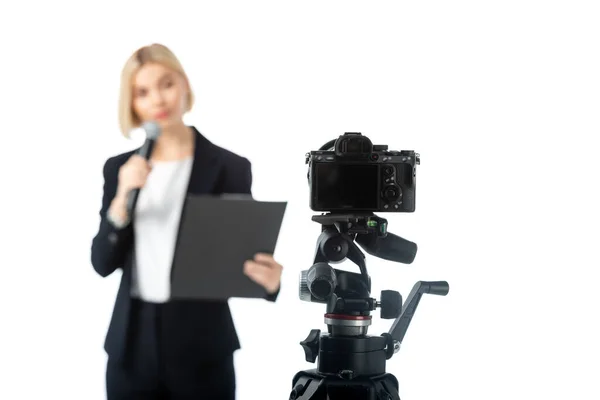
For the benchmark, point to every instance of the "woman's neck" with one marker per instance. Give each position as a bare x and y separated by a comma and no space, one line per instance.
175,143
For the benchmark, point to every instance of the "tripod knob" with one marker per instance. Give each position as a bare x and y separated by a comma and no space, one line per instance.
391,304
311,345
304,291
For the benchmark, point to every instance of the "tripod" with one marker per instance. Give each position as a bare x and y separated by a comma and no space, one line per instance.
351,364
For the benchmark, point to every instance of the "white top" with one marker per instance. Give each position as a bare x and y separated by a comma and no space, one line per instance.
156,225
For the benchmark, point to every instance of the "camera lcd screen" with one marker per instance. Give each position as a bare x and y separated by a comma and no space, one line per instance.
346,186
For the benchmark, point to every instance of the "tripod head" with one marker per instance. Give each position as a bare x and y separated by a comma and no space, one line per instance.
347,295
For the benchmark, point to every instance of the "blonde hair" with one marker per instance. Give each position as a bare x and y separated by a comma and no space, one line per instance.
154,53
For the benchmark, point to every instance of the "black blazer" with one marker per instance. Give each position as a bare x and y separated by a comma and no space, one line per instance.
193,329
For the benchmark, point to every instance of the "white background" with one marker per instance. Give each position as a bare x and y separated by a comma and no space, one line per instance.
501,99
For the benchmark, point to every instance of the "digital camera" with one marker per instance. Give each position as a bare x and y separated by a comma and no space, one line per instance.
350,174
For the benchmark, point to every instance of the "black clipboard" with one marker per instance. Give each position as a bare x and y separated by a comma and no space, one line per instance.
217,235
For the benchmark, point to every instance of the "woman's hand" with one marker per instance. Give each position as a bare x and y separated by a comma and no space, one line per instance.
132,175
265,271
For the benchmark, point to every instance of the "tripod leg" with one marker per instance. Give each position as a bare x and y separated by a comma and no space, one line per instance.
387,388
308,388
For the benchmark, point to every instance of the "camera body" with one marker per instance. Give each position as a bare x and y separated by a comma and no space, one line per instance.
357,176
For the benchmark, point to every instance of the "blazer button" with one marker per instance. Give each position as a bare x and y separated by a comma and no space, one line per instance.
112,237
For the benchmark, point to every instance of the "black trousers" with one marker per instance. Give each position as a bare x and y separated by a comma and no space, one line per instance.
148,373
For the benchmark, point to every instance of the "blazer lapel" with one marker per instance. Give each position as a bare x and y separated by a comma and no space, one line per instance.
205,167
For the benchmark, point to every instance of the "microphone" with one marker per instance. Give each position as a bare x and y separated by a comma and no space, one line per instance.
390,247
153,131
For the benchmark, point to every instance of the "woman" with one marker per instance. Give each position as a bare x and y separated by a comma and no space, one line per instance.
161,348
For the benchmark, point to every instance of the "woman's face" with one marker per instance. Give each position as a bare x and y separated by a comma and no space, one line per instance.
159,94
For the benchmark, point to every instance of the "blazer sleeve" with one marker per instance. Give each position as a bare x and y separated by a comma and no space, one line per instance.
110,245
246,177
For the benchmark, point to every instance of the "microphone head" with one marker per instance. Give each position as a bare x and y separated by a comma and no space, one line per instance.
152,130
